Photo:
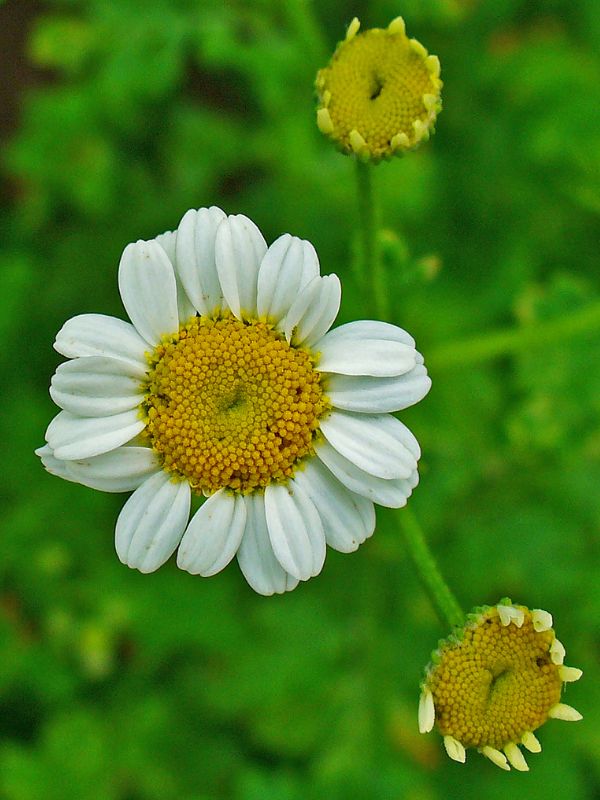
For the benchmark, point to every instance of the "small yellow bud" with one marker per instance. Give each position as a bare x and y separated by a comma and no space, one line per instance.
381,91
492,684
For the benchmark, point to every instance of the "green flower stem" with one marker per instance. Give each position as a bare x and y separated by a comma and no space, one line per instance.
372,282
372,275
508,342
439,593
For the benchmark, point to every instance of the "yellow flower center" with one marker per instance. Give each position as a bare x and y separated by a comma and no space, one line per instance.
496,684
379,94
231,404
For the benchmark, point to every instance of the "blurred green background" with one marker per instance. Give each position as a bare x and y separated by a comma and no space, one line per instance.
116,118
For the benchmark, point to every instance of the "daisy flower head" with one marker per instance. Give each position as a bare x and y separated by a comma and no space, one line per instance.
379,96
492,684
228,386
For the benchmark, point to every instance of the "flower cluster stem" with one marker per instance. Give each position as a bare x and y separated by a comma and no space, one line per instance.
372,273
438,590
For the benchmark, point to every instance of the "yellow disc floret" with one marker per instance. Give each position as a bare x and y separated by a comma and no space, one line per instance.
380,94
231,404
496,683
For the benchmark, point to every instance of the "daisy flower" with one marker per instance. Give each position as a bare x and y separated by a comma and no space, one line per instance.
492,684
379,96
227,386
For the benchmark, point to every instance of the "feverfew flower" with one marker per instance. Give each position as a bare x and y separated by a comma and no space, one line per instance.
495,682
228,385
379,96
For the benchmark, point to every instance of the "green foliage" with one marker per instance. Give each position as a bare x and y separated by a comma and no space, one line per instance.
118,686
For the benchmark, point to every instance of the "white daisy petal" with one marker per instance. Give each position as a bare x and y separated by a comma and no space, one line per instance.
515,757
371,329
508,614
100,335
390,493
185,309
239,250
54,465
313,311
168,242
196,266
564,712
557,651
255,555
213,535
295,530
455,749
366,348
569,674
72,437
288,265
542,620
377,443
148,290
95,386
300,307
120,470
152,521
348,519
530,741
496,757
426,711
366,394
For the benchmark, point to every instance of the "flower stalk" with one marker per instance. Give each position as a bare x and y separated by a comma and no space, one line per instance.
372,274
442,598
372,281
